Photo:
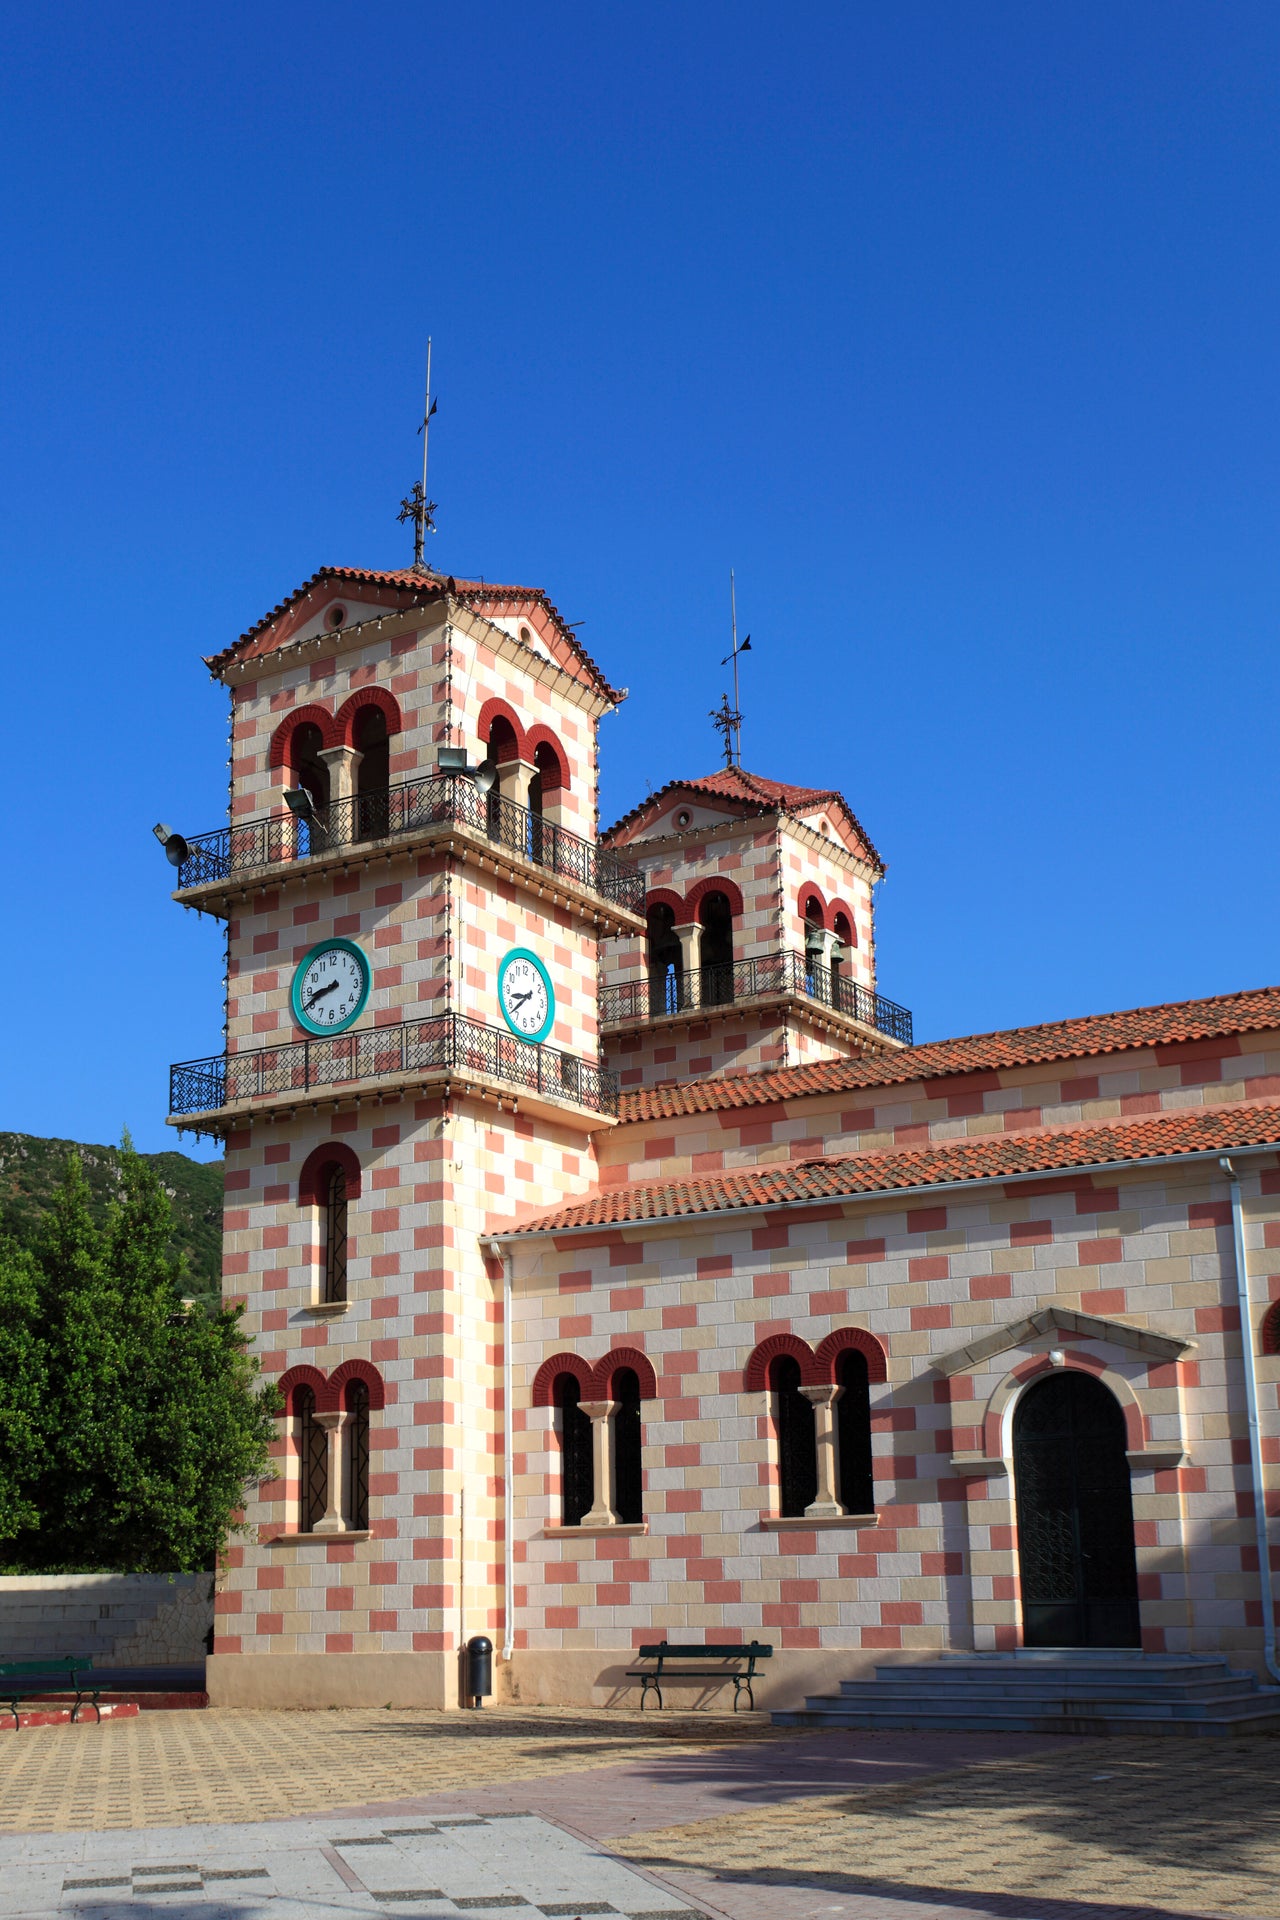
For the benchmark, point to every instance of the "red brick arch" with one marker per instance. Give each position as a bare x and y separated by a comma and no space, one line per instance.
756,1376
341,1378
301,1376
1271,1329
334,1153
603,1371
282,738
855,1340
667,897
499,710
807,893
543,737
544,1380
344,721
697,894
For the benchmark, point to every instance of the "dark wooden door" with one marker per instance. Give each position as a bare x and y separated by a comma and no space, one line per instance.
1078,1569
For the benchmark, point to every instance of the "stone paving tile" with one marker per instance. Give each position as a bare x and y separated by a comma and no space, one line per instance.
510,1867
1083,1830
228,1765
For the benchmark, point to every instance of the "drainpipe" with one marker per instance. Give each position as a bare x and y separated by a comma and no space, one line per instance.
508,1490
1255,1436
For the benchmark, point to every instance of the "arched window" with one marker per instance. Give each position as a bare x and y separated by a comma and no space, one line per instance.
628,1494
544,785
574,1428
357,1442
665,960
312,1444
814,924
373,773
308,769
853,1433
715,916
840,953
793,1424
333,1221
501,749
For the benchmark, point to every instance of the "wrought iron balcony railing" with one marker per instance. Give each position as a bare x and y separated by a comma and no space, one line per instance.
444,1040
439,799
667,991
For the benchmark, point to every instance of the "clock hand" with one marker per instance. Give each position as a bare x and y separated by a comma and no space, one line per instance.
319,994
518,999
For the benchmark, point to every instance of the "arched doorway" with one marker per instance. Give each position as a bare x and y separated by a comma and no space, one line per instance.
1077,1567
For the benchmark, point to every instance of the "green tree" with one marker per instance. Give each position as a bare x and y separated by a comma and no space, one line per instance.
152,1421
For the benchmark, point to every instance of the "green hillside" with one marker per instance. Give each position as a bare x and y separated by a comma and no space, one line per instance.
30,1168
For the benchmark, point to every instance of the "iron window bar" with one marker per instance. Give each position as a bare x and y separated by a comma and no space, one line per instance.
448,1040
439,799
667,991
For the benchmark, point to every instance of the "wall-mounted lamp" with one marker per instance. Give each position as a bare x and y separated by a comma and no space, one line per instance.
175,847
300,804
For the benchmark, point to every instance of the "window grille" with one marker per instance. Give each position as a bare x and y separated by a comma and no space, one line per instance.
628,1495
358,1453
576,1475
797,1444
335,1236
313,1461
853,1433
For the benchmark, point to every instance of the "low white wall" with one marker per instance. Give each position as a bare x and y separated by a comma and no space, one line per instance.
120,1619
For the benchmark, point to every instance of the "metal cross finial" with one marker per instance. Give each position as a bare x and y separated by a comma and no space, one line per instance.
726,722
417,507
744,647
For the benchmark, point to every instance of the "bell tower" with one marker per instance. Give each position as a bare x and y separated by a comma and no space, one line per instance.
415,899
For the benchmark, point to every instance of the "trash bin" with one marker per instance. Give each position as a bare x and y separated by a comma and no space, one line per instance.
479,1669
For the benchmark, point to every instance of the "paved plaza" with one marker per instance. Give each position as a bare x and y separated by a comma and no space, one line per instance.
295,1816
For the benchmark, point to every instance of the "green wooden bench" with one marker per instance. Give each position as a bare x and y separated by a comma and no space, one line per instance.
29,1679
671,1658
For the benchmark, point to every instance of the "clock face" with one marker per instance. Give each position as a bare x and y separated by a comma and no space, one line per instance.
330,987
525,995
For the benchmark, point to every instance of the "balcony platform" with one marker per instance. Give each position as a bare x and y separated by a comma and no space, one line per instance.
444,1053
781,981
445,813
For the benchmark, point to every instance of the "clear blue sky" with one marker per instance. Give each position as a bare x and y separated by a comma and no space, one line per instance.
952,327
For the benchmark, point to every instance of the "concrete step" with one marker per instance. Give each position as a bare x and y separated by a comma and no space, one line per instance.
1136,1704
1247,1720
956,1672
1224,1685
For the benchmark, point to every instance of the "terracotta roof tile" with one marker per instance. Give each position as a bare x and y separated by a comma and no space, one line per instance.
1098,1033
418,587
984,1157
754,792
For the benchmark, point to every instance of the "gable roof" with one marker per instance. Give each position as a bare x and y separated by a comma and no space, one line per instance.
418,589
1225,1014
1176,1131
751,793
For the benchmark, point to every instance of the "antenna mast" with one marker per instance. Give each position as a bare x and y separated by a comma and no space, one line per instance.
416,506
737,709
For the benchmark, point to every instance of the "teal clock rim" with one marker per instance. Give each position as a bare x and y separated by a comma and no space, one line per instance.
326,946
524,953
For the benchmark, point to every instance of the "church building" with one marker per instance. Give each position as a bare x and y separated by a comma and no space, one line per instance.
626,1269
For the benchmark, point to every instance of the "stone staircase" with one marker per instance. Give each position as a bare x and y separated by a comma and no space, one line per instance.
1054,1690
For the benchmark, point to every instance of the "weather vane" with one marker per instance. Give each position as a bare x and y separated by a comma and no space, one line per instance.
416,506
727,718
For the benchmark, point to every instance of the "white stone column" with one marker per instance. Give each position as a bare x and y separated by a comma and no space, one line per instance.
334,1520
690,938
819,944
827,1505
601,1513
342,763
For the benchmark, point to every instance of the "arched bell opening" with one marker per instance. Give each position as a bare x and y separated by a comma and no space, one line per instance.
1077,1559
373,773
715,917
664,958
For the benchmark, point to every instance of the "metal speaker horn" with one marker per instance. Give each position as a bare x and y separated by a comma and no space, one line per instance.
175,847
484,775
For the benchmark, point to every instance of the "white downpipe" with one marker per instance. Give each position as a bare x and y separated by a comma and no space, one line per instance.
1255,1433
508,1489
